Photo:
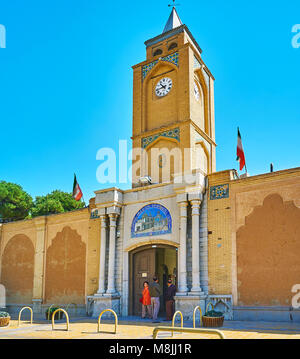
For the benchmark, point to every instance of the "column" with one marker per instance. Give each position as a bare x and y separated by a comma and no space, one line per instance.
101,288
38,278
112,254
182,204
195,202
204,246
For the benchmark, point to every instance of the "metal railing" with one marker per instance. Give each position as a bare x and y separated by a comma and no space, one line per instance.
194,316
116,319
174,318
187,330
67,318
20,314
209,304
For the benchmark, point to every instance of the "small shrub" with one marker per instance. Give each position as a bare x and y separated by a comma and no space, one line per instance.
4,315
58,315
214,314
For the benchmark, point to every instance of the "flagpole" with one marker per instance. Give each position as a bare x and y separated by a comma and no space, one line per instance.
84,201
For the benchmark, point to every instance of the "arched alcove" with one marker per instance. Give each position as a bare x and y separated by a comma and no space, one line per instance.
66,268
268,248
17,269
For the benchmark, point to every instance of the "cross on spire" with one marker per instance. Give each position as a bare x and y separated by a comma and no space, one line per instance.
174,19
174,4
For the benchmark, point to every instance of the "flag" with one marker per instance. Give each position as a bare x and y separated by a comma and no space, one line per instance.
77,193
240,152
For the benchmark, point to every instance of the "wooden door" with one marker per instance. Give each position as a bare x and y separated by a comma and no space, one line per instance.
143,270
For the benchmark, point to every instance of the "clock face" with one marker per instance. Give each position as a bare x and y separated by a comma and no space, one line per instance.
163,87
196,92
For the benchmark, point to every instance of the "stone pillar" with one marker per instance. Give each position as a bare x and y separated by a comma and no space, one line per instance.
195,199
1,241
204,246
101,288
111,290
38,279
182,203
2,288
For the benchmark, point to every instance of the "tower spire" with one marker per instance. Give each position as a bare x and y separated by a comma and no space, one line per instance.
174,19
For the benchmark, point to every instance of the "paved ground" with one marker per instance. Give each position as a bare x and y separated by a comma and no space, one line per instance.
135,328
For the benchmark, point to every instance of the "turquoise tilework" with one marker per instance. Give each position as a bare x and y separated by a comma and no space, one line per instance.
174,133
173,58
219,192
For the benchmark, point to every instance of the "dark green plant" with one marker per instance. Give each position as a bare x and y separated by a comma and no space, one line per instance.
52,310
213,314
4,315
15,203
55,202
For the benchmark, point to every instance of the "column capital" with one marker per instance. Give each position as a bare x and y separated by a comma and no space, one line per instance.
113,219
182,198
103,220
101,211
113,210
113,216
183,204
195,197
196,208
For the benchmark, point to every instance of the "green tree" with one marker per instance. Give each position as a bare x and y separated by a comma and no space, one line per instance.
55,202
15,203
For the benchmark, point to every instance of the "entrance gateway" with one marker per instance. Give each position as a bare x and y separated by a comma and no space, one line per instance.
145,263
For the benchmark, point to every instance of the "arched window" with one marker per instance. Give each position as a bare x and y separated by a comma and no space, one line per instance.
173,46
157,52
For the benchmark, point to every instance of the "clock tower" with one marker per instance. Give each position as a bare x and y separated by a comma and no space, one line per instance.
173,108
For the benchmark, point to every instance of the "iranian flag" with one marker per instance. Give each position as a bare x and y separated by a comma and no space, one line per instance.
77,193
240,152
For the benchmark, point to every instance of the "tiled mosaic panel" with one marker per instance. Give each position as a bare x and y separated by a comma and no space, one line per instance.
174,59
219,192
175,133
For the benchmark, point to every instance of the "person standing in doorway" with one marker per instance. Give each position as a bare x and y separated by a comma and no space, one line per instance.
146,302
170,293
155,293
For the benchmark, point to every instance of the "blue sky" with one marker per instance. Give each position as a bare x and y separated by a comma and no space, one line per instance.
66,83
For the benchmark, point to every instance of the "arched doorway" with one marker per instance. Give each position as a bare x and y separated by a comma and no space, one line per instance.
146,262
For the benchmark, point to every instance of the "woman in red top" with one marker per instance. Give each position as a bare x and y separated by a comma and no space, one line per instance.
146,302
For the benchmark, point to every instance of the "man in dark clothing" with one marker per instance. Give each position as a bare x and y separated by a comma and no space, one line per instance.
170,293
155,293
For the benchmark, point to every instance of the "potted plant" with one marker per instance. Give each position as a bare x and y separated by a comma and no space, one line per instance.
213,318
4,319
50,311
